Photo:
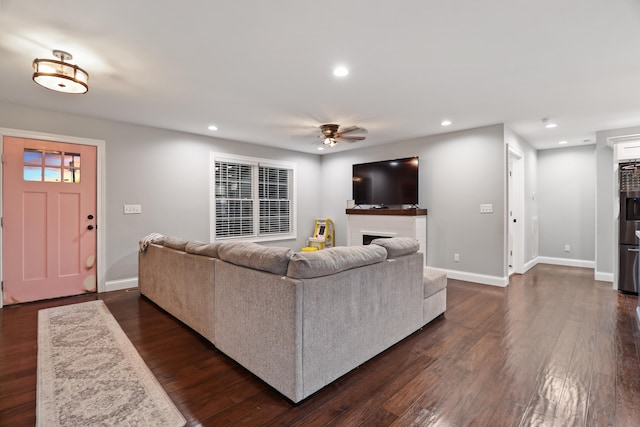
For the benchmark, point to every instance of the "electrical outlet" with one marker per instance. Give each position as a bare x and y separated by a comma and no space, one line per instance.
132,209
486,208
456,257
567,248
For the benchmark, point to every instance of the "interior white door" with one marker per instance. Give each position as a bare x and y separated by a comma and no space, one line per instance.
516,217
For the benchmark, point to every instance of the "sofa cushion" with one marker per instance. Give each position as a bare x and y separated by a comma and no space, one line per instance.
433,281
173,243
398,246
200,248
248,254
305,265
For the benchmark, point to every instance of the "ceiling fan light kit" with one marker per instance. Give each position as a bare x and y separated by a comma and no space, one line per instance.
329,141
59,75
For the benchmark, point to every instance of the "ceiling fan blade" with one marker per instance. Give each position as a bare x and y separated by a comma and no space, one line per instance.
349,129
351,138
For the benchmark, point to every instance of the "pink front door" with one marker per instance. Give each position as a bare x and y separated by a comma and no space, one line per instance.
49,219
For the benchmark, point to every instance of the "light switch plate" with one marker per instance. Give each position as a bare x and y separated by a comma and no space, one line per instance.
486,208
132,209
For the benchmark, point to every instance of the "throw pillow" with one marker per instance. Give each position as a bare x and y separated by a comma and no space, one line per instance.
305,265
398,246
248,254
205,249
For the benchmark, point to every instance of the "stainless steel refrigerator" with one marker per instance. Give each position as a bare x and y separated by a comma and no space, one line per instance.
629,223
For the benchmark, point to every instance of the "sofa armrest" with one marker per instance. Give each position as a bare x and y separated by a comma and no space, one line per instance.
180,283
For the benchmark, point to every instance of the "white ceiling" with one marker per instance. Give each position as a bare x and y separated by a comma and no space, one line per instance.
262,70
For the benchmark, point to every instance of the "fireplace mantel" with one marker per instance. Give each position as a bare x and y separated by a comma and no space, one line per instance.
387,223
400,212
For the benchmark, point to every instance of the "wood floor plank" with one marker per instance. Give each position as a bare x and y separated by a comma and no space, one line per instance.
554,348
602,403
400,401
508,413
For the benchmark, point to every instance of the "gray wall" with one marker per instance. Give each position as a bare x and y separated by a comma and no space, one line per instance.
566,202
167,173
458,172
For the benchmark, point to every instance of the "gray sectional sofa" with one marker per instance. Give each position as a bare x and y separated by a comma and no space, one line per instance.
296,320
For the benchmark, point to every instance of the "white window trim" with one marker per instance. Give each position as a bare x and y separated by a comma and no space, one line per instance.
232,158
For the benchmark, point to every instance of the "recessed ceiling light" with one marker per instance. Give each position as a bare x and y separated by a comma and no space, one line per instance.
320,148
563,142
213,127
548,123
445,123
340,71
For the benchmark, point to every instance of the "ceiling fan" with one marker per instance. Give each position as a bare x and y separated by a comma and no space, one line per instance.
332,133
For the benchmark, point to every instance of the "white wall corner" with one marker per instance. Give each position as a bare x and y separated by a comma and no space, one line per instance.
476,278
530,264
116,285
604,277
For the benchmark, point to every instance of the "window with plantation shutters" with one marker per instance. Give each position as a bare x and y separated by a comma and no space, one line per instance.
252,199
234,201
275,200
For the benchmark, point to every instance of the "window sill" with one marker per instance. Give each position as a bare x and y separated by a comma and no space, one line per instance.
260,239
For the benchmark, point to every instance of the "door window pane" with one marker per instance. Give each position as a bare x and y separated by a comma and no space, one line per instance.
72,175
53,158
52,174
71,160
32,173
32,157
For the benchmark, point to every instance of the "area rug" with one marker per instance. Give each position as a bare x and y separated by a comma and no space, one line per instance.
89,373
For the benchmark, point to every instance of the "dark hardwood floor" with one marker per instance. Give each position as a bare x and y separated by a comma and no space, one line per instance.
554,348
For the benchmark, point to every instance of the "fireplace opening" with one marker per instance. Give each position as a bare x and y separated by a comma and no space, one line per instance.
368,238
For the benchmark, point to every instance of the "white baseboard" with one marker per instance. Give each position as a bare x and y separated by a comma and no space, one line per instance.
597,275
566,261
530,264
604,277
476,278
116,285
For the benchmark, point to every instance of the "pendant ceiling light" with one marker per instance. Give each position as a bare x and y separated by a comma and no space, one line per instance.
59,75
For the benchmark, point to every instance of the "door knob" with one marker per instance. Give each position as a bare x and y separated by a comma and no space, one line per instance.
90,217
89,227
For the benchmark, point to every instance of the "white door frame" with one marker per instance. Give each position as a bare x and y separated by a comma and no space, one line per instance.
100,191
516,160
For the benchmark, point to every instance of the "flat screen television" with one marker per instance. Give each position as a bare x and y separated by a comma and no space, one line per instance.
386,183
